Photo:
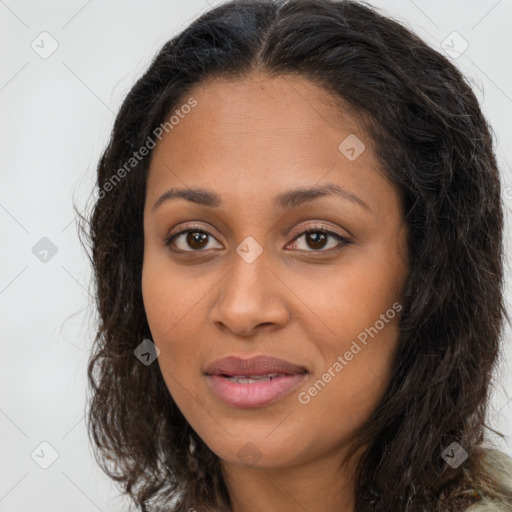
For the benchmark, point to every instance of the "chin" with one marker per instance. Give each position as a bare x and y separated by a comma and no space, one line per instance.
258,451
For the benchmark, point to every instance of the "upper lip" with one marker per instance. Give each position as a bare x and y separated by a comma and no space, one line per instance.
259,365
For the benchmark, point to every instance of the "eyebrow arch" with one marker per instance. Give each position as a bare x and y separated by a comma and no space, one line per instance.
290,199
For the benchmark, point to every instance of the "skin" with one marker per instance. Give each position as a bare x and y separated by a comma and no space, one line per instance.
249,140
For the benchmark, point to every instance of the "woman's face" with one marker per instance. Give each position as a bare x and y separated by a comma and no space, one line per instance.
244,282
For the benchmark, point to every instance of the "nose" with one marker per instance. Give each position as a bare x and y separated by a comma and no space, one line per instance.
250,297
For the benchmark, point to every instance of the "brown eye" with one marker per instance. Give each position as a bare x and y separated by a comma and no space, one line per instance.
196,239
317,239
191,240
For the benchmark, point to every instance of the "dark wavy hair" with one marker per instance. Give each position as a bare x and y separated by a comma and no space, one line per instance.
433,143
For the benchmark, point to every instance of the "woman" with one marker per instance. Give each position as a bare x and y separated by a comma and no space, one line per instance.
297,246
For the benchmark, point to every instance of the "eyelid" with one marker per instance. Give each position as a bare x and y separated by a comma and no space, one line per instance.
313,227
329,231
185,229
319,226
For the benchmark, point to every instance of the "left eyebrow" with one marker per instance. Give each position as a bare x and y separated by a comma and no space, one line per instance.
289,199
295,197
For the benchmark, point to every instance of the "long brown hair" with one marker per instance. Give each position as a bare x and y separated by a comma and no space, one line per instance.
434,144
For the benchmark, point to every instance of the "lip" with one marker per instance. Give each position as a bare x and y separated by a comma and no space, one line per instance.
259,365
257,394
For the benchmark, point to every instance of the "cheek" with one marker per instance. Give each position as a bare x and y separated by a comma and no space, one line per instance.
176,308
349,382
360,309
171,302
351,300
171,318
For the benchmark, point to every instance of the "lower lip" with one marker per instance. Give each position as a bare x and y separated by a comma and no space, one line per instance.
257,394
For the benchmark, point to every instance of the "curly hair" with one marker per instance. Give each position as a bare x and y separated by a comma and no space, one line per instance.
436,147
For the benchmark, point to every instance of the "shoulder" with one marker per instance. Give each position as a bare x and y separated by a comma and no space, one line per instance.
499,466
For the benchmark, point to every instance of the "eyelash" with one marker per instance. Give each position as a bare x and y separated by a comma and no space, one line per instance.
312,229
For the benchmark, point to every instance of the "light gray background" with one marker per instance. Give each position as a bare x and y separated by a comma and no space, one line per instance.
56,115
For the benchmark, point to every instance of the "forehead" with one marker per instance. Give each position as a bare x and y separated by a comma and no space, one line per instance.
270,104
245,137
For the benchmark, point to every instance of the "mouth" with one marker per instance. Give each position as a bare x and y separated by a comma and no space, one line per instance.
254,382
258,366
251,379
